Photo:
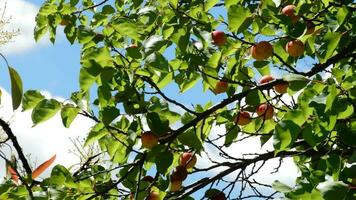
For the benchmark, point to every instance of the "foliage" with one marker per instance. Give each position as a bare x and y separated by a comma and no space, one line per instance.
124,48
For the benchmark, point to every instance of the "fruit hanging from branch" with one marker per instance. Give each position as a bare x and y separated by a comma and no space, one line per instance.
261,50
149,140
295,48
188,160
243,118
219,38
265,110
221,87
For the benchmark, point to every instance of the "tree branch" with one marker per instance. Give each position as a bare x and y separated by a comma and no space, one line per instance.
17,146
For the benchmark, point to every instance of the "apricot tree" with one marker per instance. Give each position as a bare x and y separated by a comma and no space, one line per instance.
132,50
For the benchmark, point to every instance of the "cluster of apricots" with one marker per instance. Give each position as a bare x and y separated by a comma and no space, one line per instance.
187,161
264,49
264,110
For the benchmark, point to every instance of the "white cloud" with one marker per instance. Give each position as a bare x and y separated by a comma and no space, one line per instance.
46,139
22,15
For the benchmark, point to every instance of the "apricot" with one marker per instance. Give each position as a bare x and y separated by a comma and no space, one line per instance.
266,79
310,28
243,118
188,160
219,38
289,10
175,186
149,140
265,110
179,174
221,87
153,196
261,50
281,88
295,48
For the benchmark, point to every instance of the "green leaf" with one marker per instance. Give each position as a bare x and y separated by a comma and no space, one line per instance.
109,114
87,76
191,138
85,34
153,44
296,82
189,83
68,114
157,123
229,3
334,190
297,116
44,110
231,135
134,52
341,15
295,77
330,97
262,67
331,41
158,62
16,88
284,135
281,187
163,161
127,28
31,99
209,4
255,98
214,59
236,16
181,38
96,133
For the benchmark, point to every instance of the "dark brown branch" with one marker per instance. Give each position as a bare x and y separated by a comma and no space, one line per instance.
5,126
224,103
286,64
89,7
244,164
149,81
347,52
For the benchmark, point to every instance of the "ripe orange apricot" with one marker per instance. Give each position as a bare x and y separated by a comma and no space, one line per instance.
266,79
265,110
188,160
219,38
281,88
133,46
153,196
261,50
221,87
289,10
295,48
243,118
149,140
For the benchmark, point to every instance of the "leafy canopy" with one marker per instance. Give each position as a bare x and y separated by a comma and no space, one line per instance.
132,50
